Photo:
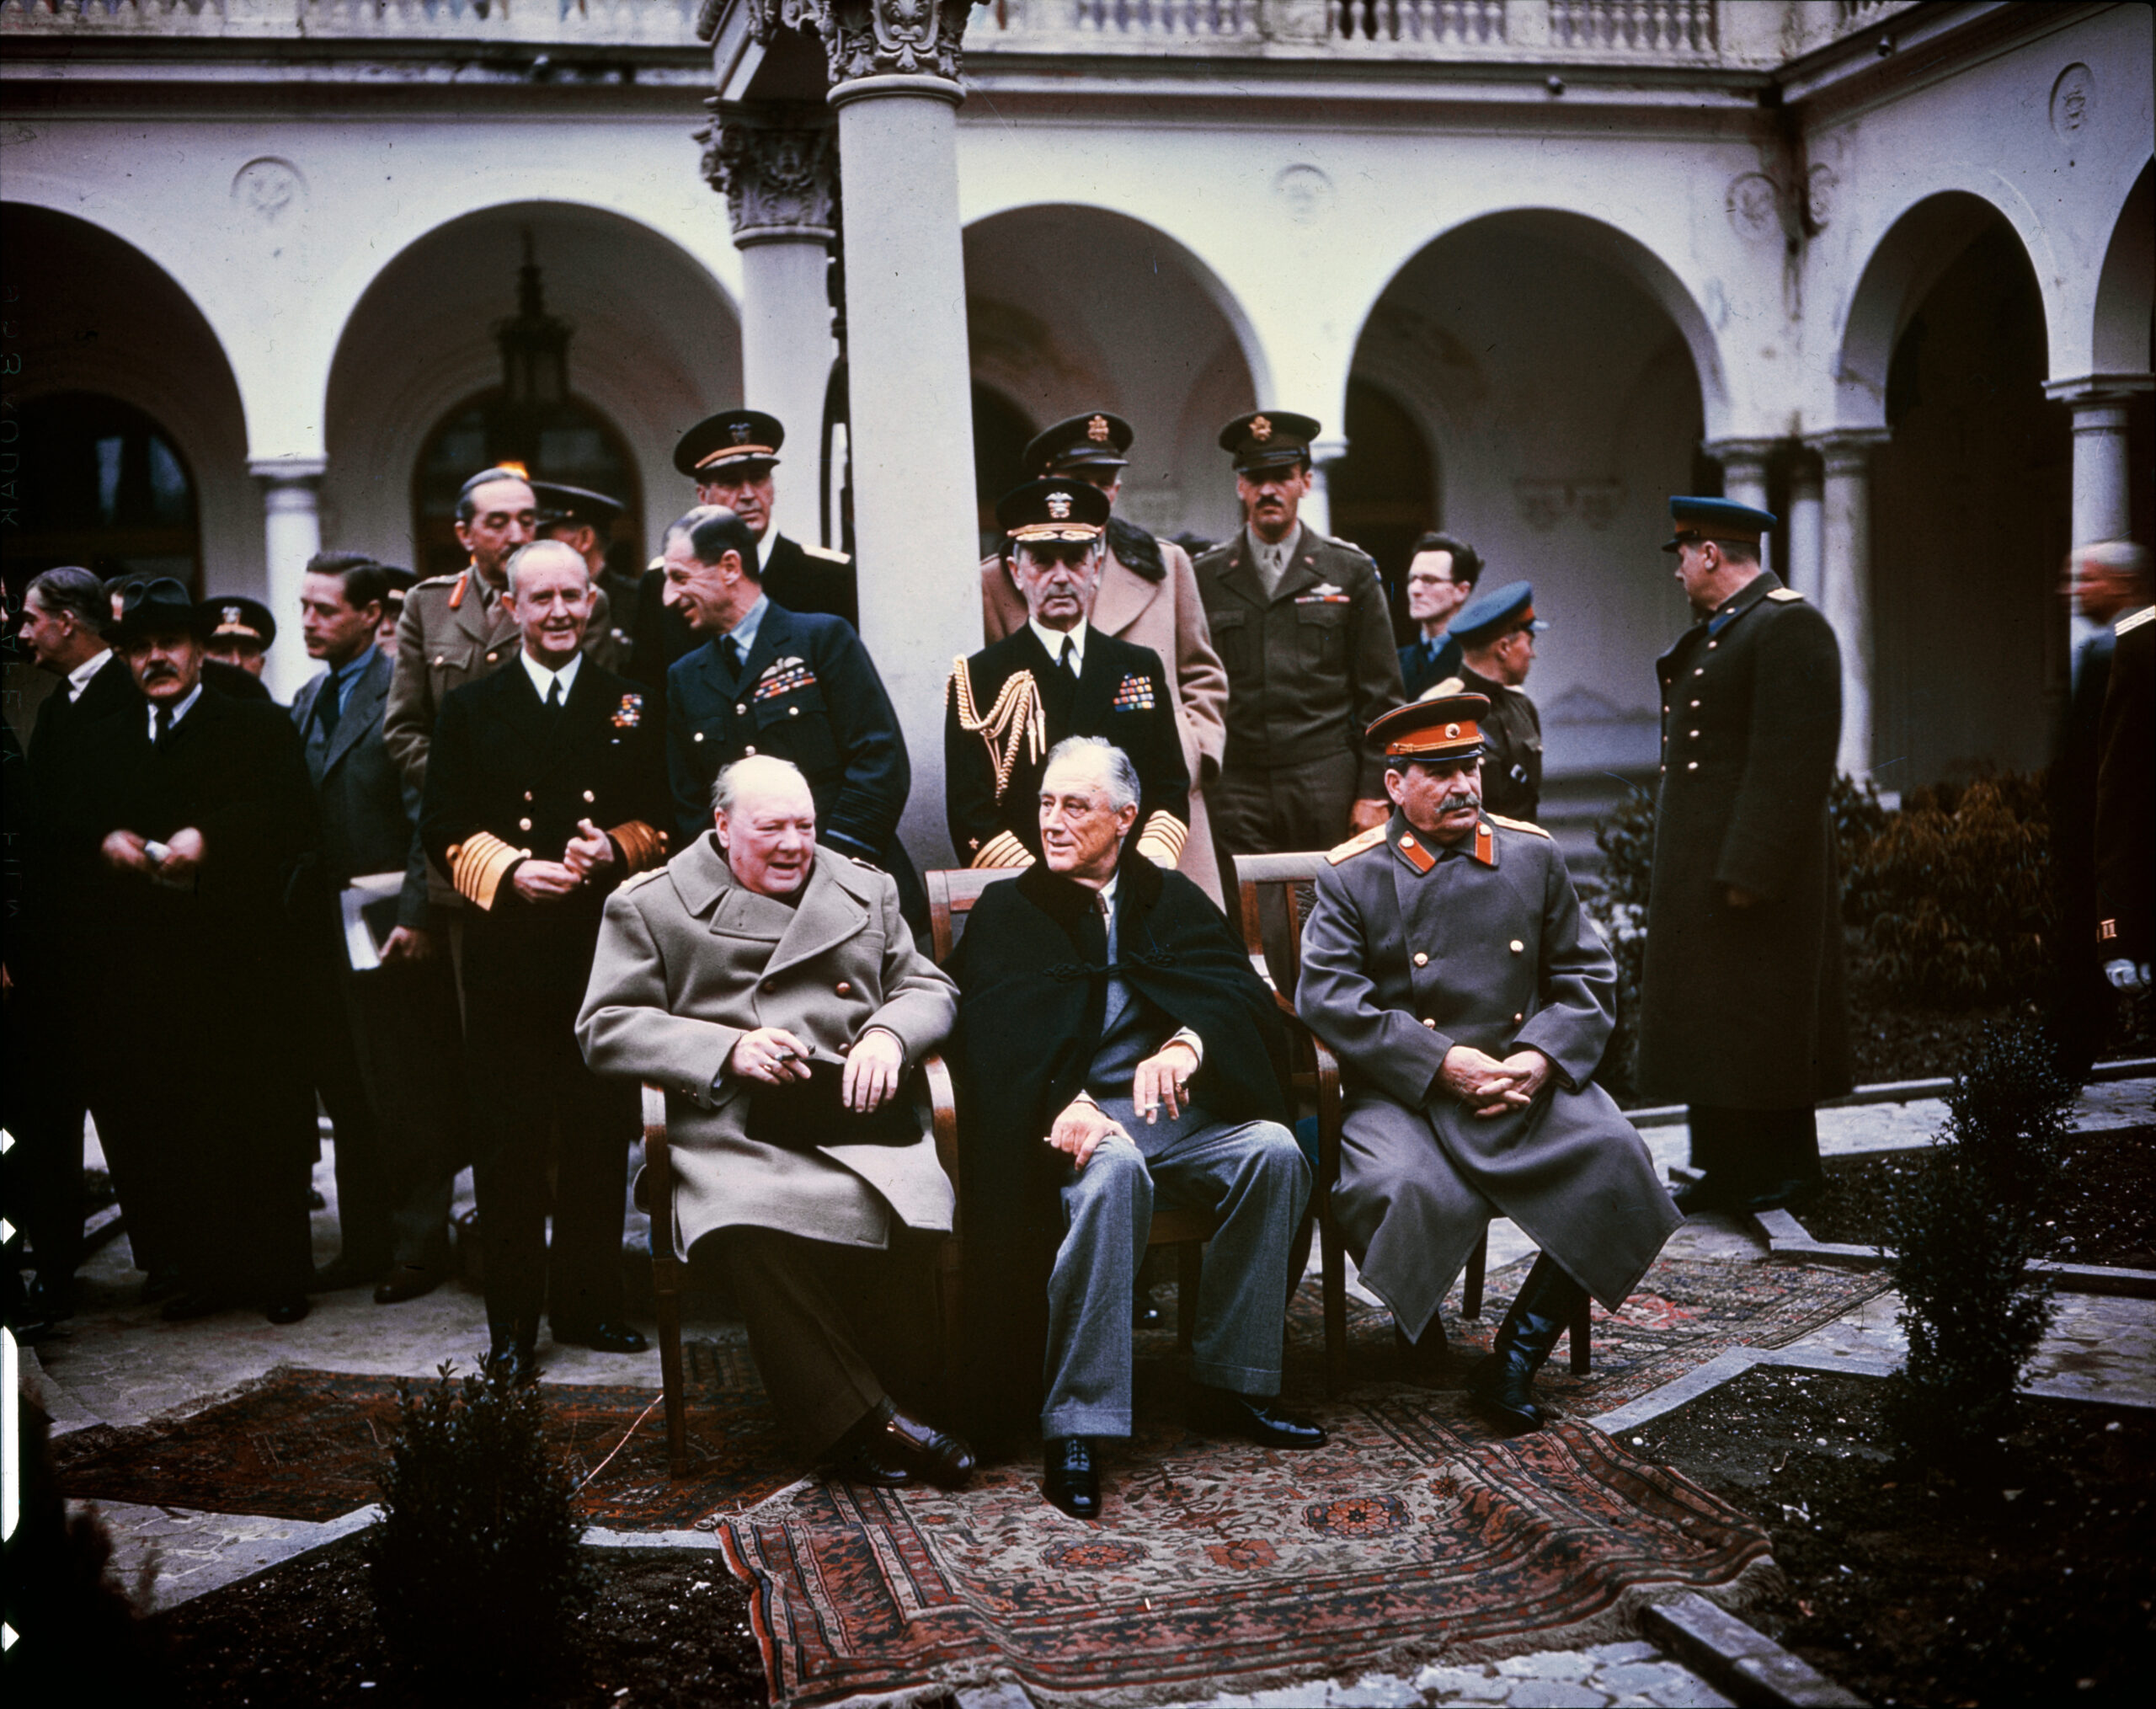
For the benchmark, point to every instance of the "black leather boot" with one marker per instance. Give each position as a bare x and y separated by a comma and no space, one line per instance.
1503,1388
1428,1360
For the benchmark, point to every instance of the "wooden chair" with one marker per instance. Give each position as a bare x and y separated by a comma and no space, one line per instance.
1284,877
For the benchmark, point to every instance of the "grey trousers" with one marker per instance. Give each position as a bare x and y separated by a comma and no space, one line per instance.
1252,1176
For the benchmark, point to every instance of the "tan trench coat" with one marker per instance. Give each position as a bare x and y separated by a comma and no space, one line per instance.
1165,615
688,961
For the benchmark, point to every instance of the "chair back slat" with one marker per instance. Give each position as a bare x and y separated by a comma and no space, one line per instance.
952,893
1282,875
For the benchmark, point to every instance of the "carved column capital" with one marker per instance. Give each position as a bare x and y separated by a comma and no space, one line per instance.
777,165
874,38
1846,451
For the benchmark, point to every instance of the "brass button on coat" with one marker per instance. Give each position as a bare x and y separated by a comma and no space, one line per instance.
589,796
1518,949
1421,960
843,989
1431,1024
523,824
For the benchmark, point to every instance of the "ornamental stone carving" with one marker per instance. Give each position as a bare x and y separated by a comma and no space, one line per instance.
777,166
873,38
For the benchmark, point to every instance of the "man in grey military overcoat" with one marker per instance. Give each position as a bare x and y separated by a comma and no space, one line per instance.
753,959
1744,1013
1447,964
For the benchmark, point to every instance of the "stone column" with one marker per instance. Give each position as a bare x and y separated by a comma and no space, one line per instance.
1744,480
894,74
291,521
1844,593
2101,507
1316,511
1802,529
776,164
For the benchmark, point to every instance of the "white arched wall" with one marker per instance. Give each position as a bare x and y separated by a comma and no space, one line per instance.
2125,287
1140,330
93,314
655,347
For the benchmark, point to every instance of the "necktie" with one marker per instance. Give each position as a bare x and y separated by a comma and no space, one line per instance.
164,728
1070,663
554,699
327,711
732,650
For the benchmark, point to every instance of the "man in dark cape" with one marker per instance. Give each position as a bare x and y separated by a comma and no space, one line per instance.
1035,978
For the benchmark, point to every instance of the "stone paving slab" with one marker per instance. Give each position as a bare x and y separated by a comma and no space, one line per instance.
1614,1674
190,1553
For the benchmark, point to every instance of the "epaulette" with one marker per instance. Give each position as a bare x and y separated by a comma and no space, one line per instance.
637,881
1520,824
438,580
1372,838
1784,593
2126,626
825,553
1444,689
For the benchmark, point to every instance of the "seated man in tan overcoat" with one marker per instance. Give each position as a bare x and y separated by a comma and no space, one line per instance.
772,990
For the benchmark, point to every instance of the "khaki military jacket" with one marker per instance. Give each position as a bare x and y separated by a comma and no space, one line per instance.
1310,667
688,960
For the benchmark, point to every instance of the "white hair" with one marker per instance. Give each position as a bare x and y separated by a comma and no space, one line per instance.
726,787
1119,777
525,551
2124,559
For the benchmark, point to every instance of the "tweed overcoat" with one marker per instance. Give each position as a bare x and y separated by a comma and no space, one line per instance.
1150,601
688,960
1744,1008
1408,953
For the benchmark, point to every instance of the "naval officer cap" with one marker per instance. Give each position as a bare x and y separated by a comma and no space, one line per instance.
1497,613
1094,440
1699,520
729,444
1268,438
1447,729
1053,509
235,621
574,507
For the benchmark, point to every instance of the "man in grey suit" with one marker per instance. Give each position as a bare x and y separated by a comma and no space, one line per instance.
385,1039
1447,964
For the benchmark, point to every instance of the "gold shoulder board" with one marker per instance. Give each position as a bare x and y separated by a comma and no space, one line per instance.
1355,844
1784,593
2126,626
825,553
1520,824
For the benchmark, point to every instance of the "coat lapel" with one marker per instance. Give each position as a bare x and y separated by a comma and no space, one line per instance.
522,710
829,915
1122,599
1240,577
774,632
362,710
1301,573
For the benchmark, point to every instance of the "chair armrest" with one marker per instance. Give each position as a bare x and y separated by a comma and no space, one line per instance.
942,1112
655,1114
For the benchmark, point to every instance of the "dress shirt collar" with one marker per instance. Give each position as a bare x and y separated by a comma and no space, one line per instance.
743,634
1053,640
1273,560
79,679
179,711
543,679
343,677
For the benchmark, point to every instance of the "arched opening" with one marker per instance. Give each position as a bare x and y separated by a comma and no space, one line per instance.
102,484
1138,328
1001,432
1972,508
1551,368
1384,492
2124,341
578,447
654,346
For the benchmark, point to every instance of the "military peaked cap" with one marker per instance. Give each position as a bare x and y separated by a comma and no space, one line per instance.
1268,438
730,440
1489,614
1450,727
1053,509
1096,439
235,618
576,505
1715,519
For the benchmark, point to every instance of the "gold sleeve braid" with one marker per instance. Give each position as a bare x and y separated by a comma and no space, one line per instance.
643,847
478,865
1004,849
1162,841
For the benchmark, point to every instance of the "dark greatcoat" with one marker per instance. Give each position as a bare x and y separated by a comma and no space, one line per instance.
1033,987
1406,956
2126,795
1744,1008
1121,694
198,1083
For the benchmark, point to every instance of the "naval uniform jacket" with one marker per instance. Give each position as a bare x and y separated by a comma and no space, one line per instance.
509,780
808,692
1310,667
1412,949
1744,1008
688,960
992,774
808,580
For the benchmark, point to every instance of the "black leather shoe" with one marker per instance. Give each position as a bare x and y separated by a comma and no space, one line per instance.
1430,1361
603,1337
1781,1195
939,1456
287,1308
1254,1417
1697,1198
1503,1388
344,1273
513,1359
190,1303
1070,1480
161,1284
405,1282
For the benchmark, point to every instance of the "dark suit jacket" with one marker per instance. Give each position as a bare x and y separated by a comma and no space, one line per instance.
1122,694
60,721
368,813
1418,673
501,765
808,581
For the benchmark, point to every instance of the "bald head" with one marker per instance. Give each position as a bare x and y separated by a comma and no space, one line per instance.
766,821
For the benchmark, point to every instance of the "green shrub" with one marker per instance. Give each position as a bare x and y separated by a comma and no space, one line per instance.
1963,1228
474,1565
1953,895
1617,897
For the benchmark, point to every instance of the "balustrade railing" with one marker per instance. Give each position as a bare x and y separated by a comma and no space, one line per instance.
568,23
1441,23
1684,27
